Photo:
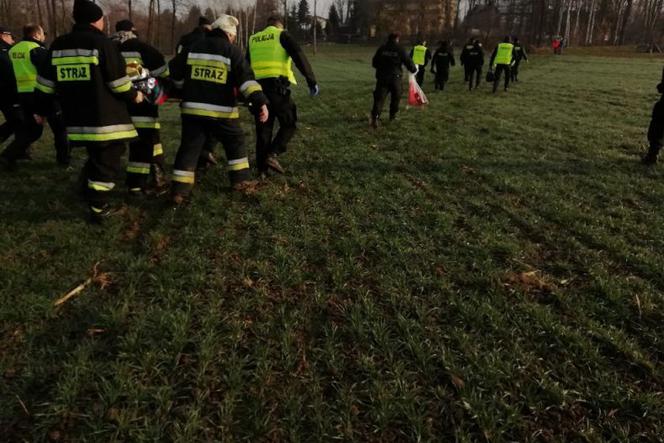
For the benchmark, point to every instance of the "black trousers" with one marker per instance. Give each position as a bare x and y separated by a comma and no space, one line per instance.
383,88
145,151
195,131
102,170
474,73
514,72
283,110
7,129
466,72
442,76
420,74
28,131
499,71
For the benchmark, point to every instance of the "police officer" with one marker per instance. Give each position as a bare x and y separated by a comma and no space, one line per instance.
443,58
463,58
387,62
207,76
656,128
474,62
501,61
519,54
146,154
421,57
272,53
8,97
26,57
207,158
88,73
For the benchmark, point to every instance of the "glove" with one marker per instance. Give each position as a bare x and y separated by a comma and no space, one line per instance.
314,90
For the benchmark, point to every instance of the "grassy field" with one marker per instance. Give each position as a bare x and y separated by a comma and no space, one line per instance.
489,268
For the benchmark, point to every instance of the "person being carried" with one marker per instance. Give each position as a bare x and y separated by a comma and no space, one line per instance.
443,58
387,62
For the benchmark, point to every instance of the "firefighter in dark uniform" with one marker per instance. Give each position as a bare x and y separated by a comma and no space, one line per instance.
146,154
421,57
8,95
272,53
27,57
656,128
88,73
474,62
206,78
519,54
443,58
387,62
501,61
463,58
186,42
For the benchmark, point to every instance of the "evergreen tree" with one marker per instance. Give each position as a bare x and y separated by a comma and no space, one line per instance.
303,16
333,21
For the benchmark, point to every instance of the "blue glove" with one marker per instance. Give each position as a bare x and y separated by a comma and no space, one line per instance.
314,91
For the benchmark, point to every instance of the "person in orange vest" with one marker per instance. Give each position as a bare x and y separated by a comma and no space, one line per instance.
421,57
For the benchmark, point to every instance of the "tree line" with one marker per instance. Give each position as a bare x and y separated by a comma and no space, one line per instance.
580,22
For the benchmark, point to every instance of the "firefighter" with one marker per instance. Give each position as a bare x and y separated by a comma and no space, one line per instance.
146,154
27,57
88,73
421,57
207,158
387,62
443,58
519,54
272,53
474,62
463,58
501,61
206,77
8,96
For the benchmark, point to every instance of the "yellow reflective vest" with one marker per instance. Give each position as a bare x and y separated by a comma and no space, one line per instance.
419,55
24,71
504,54
268,58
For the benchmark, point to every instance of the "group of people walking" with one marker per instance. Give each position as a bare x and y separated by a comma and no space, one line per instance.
85,86
391,57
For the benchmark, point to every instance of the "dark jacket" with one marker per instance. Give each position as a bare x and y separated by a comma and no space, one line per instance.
300,60
8,94
188,40
209,74
463,58
475,57
89,75
443,58
519,53
388,61
656,128
152,60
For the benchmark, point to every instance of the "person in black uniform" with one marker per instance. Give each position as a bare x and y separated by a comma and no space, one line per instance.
656,128
146,155
474,62
184,44
87,71
269,48
207,77
519,54
443,58
31,55
387,62
8,95
463,59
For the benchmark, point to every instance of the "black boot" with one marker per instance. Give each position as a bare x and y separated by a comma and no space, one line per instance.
651,156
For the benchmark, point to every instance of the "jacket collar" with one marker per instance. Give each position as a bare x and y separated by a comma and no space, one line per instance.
84,27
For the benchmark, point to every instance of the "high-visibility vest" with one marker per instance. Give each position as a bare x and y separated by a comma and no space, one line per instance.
504,54
268,58
419,54
24,71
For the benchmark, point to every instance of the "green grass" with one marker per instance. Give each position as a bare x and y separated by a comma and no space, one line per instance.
487,268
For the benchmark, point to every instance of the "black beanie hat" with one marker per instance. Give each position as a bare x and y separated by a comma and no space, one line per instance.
86,12
204,21
124,25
